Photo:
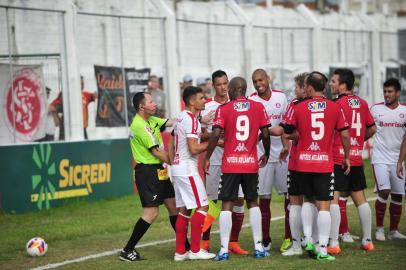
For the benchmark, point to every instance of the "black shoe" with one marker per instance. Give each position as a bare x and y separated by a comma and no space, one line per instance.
130,256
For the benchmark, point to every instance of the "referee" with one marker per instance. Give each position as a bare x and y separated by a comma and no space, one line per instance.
151,177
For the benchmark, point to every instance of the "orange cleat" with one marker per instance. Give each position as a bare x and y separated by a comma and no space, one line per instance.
368,247
205,244
234,247
334,250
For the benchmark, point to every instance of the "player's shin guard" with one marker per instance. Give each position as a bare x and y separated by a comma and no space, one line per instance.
365,216
196,223
295,222
182,223
225,224
315,230
265,208
237,220
380,209
395,210
335,224
173,220
342,202
288,233
324,225
255,222
307,221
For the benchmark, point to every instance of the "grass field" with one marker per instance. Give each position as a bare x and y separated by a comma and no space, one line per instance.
82,228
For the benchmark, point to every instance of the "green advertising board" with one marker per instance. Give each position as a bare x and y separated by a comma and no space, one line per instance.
42,176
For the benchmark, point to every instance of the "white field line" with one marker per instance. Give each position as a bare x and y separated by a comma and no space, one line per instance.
154,243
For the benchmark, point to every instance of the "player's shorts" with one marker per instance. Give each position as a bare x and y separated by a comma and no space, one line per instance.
213,182
387,179
294,183
273,174
319,186
152,190
190,191
232,182
354,181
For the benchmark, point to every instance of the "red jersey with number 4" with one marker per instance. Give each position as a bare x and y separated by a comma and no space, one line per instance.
357,112
316,119
241,119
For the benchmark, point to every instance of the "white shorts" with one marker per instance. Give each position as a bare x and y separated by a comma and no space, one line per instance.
273,174
189,191
213,182
386,178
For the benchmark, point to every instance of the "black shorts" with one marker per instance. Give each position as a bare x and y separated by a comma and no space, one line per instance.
319,186
294,187
354,181
152,190
230,182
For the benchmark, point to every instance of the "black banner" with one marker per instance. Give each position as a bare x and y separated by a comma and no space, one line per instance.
136,80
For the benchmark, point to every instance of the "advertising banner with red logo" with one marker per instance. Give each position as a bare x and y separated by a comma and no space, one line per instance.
23,103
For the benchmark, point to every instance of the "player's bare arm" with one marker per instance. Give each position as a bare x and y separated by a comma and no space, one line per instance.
266,142
369,132
171,150
161,154
208,118
402,153
195,147
346,141
285,149
213,140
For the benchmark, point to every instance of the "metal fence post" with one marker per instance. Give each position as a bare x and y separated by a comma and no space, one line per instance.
10,59
123,73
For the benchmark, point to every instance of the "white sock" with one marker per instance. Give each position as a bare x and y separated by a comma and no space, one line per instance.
315,230
225,224
335,224
295,223
364,212
307,221
323,224
256,227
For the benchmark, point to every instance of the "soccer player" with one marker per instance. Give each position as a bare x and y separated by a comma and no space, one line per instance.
390,117
220,84
362,127
190,192
240,120
275,171
315,120
154,186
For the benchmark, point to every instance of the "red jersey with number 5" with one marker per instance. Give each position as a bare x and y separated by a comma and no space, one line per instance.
241,119
316,119
356,111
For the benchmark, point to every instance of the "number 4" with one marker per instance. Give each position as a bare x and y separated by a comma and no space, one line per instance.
356,122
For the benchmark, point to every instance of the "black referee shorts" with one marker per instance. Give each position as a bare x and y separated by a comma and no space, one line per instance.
354,181
152,191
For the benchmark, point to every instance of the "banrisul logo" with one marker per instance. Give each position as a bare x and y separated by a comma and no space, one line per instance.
41,182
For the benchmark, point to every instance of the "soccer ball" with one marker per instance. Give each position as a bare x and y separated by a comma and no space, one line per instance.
36,247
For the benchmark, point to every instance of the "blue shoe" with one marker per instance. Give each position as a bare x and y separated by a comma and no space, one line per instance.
261,254
222,257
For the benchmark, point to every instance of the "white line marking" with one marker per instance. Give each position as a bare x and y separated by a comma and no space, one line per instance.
154,243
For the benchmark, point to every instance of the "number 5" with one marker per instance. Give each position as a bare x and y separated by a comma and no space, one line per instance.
317,123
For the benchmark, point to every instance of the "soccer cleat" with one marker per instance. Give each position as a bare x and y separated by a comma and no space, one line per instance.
380,234
334,250
222,257
130,256
392,235
325,257
261,254
367,245
205,244
287,243
201,255
311,249
234,247
346,237
181,257
267,243
293,251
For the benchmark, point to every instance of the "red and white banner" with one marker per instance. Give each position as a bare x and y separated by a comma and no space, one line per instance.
23,103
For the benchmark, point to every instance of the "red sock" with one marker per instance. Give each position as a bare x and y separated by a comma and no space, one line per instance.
196,222
237,219
380,209
395,211
288,234
265,207
343,212
182,223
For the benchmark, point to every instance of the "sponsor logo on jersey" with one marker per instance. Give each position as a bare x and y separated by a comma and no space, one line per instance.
354,142
314,146
354,103
241,106
240,148
275,116
395,124
317,106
